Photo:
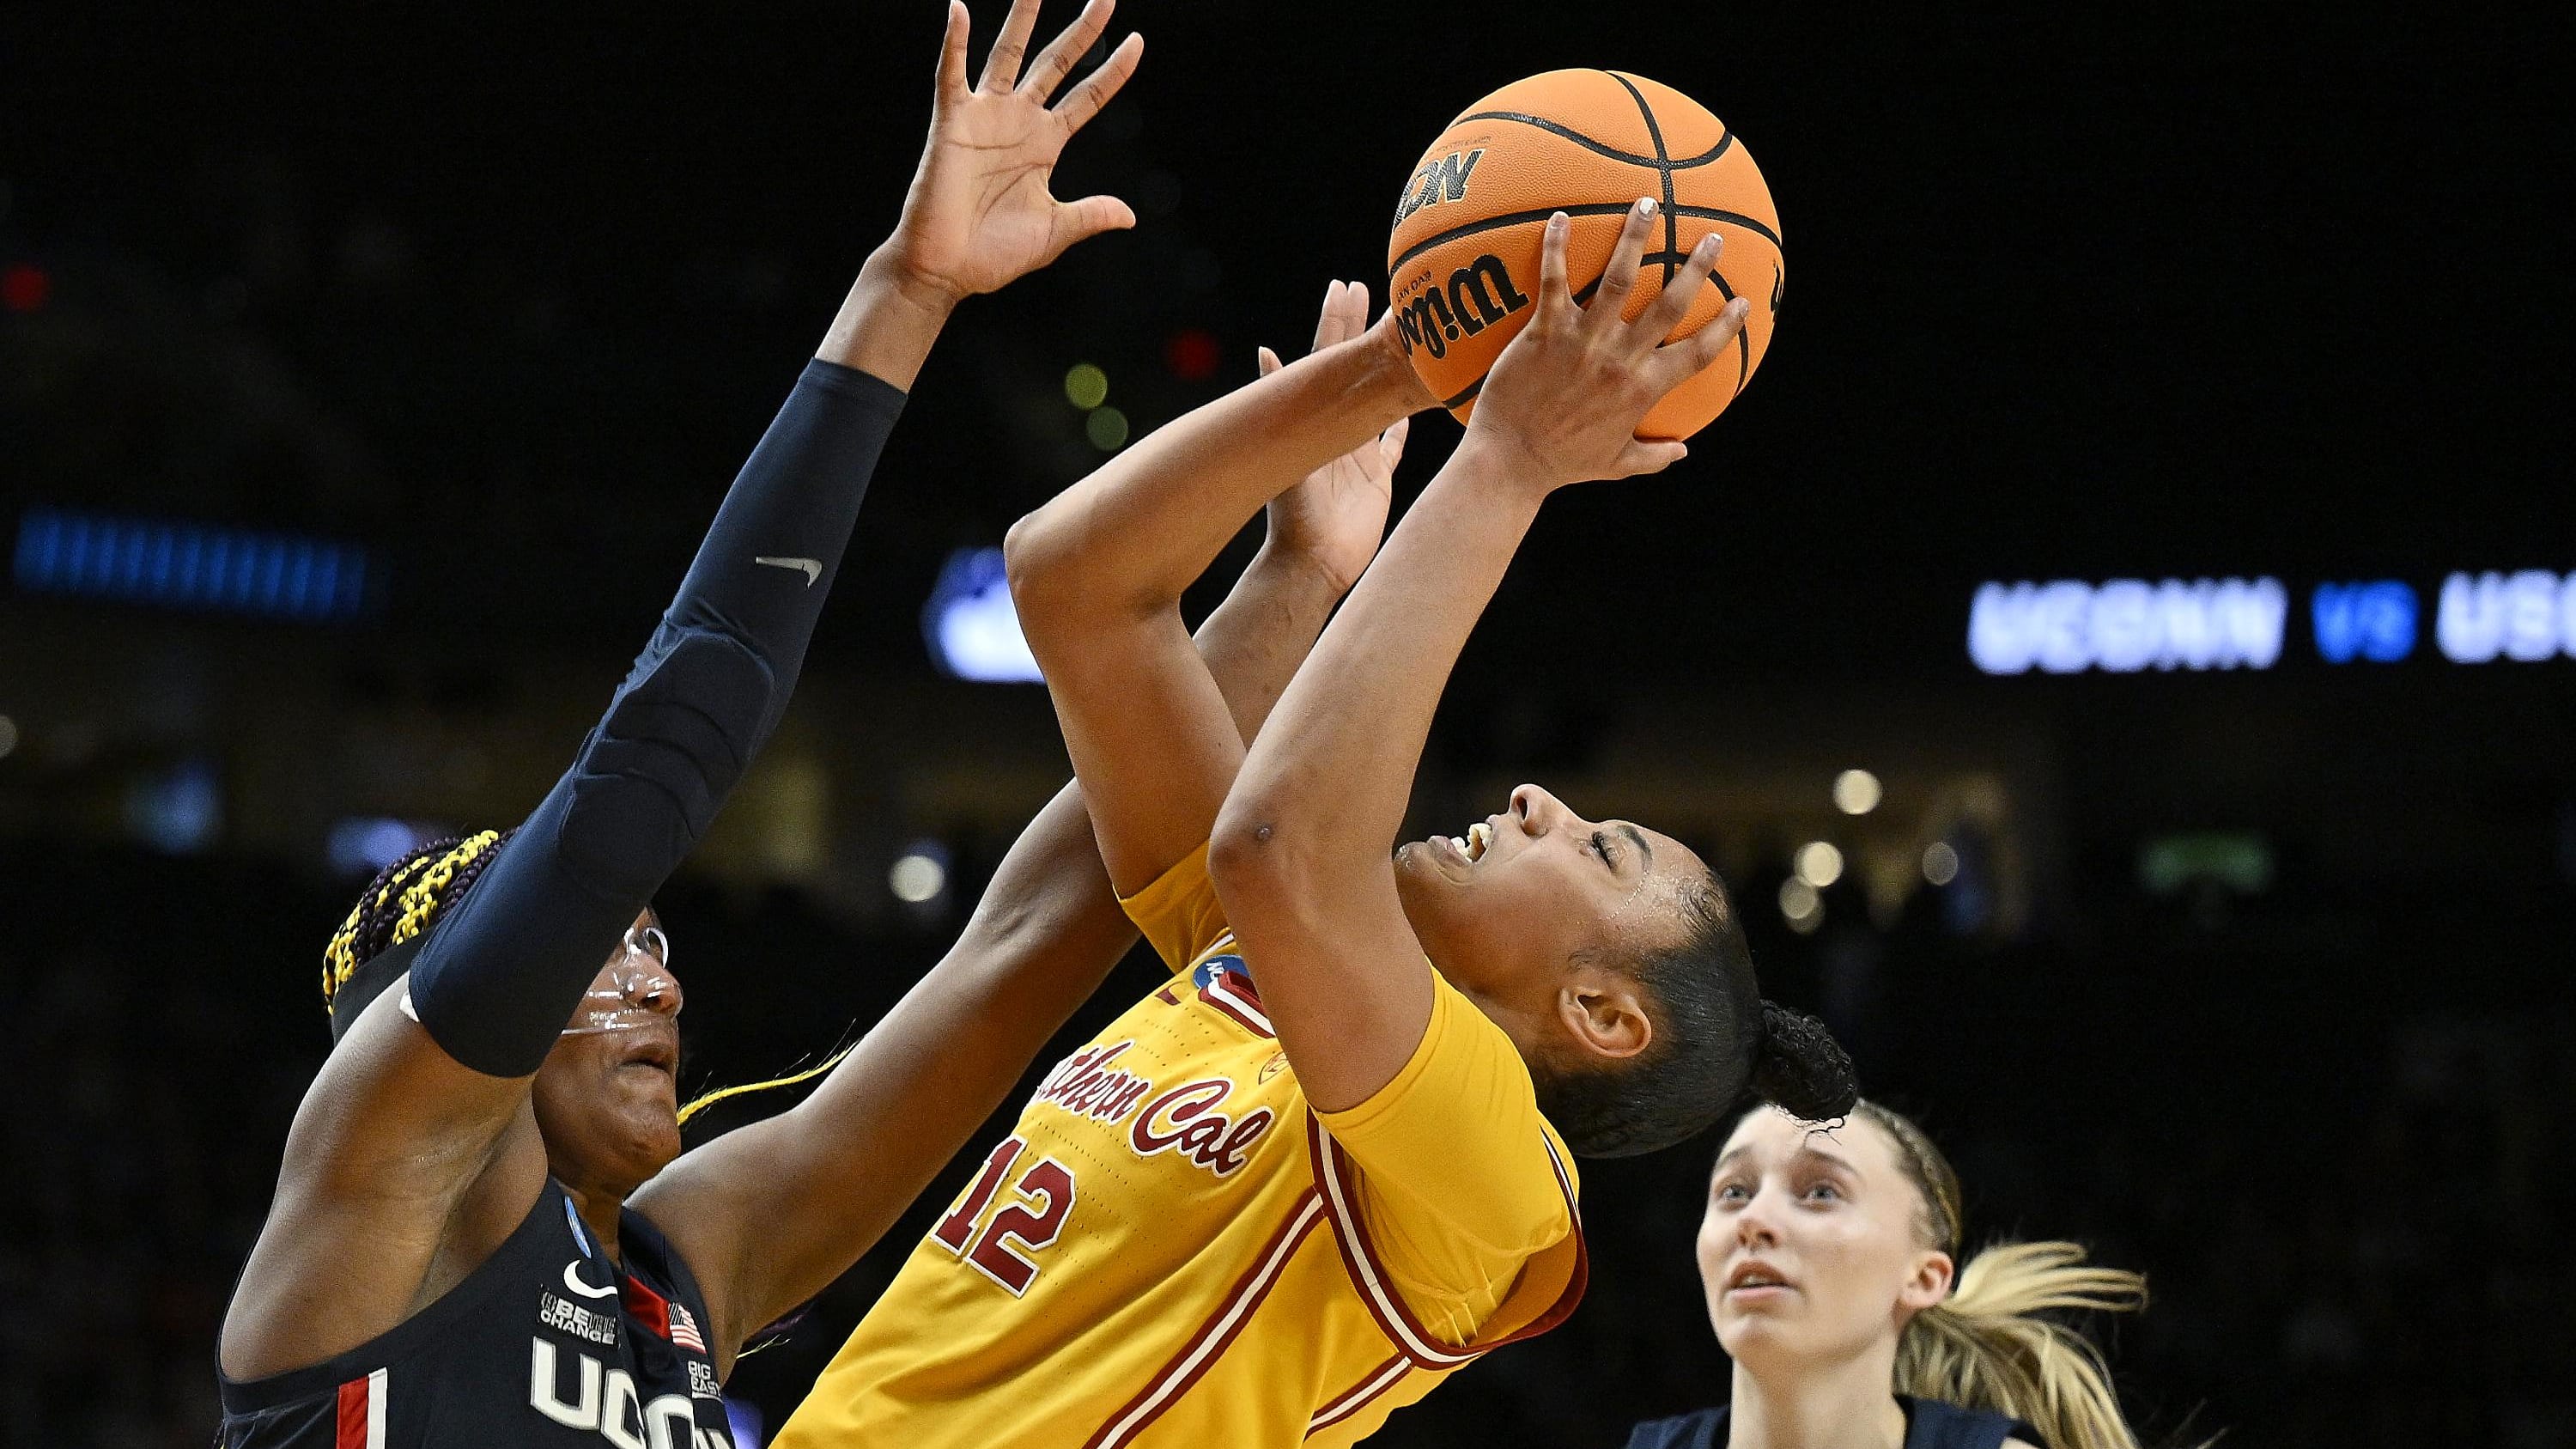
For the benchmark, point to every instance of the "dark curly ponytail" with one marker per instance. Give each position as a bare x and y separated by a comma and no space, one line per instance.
1800,1068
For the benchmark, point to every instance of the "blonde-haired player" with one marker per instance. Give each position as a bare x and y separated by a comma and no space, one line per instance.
1310,1176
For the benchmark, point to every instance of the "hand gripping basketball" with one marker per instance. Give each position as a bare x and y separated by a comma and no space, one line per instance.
1462,256
1564,400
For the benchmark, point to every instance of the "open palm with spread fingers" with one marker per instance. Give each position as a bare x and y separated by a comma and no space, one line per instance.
1564,400
1337,515
980,214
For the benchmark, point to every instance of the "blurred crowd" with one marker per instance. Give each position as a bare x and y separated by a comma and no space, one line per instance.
2351,1204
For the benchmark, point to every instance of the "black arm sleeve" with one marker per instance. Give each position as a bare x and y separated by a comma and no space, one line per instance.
497,979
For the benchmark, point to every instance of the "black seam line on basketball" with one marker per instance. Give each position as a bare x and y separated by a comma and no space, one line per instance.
1462,399
1584,296
1743,348
1605,208
1587,143
1663,169
1514,218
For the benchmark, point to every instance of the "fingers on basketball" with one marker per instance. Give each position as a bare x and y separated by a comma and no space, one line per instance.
1619,275
1464,258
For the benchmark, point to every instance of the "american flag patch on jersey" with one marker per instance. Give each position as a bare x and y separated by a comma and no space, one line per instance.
684,1329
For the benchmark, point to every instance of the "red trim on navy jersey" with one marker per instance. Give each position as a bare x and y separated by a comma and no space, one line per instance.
353,1415
650,1309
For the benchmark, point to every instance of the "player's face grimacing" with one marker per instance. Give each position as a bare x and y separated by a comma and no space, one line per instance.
607,1099
1533,913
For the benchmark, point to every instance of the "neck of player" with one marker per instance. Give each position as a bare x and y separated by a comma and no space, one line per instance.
1842,1403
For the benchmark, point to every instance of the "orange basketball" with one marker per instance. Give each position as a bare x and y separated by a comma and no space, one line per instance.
1462,263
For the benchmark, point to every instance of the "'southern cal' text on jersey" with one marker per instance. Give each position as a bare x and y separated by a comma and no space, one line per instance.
1173,1251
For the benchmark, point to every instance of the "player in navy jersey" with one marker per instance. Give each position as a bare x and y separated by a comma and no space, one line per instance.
480,1233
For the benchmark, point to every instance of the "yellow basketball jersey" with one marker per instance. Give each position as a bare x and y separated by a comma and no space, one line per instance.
1169,1252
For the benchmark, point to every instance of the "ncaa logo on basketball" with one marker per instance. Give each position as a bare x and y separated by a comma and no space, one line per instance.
1437,181
1478,295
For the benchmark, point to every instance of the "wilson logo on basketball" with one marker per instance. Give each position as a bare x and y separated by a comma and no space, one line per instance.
1437,181
1479,295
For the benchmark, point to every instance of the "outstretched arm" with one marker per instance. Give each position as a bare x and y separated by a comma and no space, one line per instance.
1098,572
415,1152
1299,855
769,1214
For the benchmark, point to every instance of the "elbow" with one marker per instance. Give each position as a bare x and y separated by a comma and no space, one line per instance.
1251,860
1034,559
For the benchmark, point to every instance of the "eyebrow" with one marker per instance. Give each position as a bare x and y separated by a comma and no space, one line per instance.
1637,838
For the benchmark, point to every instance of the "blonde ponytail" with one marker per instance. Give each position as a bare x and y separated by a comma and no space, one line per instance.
1986,1349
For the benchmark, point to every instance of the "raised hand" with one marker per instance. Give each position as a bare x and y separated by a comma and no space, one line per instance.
1338,514
1563,401
979,215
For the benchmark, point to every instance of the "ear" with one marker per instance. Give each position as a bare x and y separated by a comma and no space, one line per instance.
1605,1013
1929,1284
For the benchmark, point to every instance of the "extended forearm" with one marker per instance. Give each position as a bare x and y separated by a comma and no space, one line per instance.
887,323
1334,773
1136,533
495,981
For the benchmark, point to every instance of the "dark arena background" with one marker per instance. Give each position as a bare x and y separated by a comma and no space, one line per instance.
2158,488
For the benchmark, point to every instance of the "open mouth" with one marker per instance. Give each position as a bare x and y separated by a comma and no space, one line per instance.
1753,1276
656,1051
1474,843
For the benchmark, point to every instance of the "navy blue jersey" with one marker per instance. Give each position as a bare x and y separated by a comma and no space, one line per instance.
548,1343
1929,1424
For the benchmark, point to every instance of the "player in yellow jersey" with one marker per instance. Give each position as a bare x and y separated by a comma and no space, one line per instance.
1315,1172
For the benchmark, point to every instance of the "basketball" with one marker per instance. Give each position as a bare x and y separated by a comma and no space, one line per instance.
1462,262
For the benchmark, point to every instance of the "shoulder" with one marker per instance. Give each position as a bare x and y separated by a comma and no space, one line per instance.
1701,1429
2017,1442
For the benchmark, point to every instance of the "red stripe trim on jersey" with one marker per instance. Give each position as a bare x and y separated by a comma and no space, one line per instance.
361,1418
1227,992
1211,1341
1360,1395
1564,1305
1377,1288
1385,1305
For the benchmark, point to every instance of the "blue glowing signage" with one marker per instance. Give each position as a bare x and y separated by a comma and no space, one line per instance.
973,631
190,566
2126,625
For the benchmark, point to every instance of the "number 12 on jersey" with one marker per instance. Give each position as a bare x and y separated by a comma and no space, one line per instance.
1034,1224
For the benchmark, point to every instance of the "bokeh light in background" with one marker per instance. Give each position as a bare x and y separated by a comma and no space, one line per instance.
1086,386
1107,429
1820,864
1856,792
920,875
1191,354
24,288
1940,863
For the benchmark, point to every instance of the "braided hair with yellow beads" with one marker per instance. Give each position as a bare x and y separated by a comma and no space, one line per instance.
394,910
